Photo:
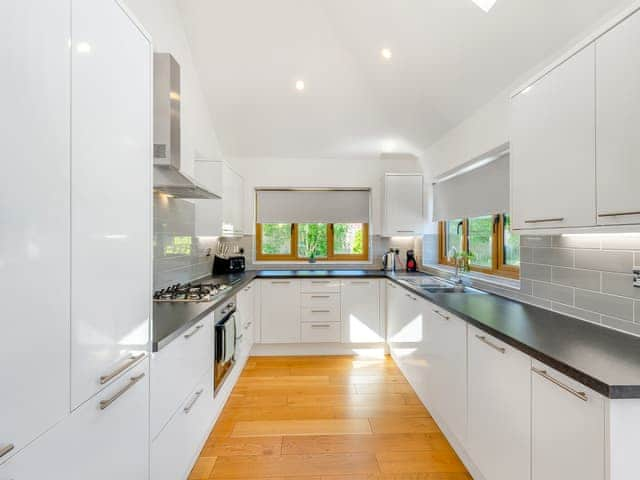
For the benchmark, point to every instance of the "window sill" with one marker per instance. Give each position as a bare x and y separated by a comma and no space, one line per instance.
319,262
476,276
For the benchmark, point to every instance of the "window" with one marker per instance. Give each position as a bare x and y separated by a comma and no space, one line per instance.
494,249
300,241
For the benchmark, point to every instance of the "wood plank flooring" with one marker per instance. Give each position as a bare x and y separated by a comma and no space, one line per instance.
326,418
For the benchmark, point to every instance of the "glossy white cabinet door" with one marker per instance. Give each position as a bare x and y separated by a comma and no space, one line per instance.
34,219
257,307
553,148
111,193
280,311
361,311
403,209
499,429
618,117
209,212
245,311
446,368
568,432
405,332
97,441
233,202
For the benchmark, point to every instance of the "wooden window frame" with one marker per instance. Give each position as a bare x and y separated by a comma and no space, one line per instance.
331,256
498,266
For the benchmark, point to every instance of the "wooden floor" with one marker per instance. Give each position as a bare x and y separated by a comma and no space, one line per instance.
326,418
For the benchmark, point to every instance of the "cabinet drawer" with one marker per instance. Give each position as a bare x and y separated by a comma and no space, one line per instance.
324,300
173,451
331,285
320,314
320,332
177,368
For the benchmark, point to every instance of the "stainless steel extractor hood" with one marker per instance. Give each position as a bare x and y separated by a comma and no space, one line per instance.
167,176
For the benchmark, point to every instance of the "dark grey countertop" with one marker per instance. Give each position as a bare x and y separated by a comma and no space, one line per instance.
605,360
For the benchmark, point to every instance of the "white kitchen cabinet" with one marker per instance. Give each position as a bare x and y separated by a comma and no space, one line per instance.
111,194
232,202
106,438
173,452
499,424
360,310
177,368
280,313
246,299
403,205
568,428
553,148
445,347
208,213
617,120
35,220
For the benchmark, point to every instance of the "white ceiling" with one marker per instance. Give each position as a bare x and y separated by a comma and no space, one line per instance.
449,58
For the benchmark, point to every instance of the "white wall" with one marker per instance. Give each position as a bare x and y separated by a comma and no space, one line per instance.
488,127
286,172
162,19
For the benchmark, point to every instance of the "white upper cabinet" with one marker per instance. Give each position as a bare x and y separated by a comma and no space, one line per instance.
568,428
617,120
34,220
232,202
403,205
280,311
553,148
111,195
360,309
499,429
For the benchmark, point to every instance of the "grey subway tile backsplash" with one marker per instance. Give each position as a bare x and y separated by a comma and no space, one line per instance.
535,272
620,284
556,293
605,261
571,277
618,307
562,257
576,312
584,276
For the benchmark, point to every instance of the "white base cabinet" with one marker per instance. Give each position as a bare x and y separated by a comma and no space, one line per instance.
499,435
280,316
360,310
568,428
104,439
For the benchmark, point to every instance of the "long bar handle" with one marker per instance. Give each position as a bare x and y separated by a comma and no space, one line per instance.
441,315
133,359
618,214
545,220
320,311
6,449
196,397
361,282
543,373
320,296
411,297
483,339
281,282
193,332
318,325
105,403
320,282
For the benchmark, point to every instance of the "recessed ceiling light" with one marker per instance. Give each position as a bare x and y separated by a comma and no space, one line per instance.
485,5
386,53
300,85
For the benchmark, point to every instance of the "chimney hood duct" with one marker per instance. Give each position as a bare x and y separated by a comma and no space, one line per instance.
167,177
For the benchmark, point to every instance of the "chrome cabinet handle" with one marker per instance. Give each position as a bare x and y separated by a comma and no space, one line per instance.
133,359
318,325
105,403
193,332
483,339
248,325
320,311
196,396
543,373
618,214
391,285
280,283
545,220
411,297
6,449
320,282
405,231
441,315
360,283
238,338
320,296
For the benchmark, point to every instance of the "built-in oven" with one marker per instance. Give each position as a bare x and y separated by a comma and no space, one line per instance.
224,341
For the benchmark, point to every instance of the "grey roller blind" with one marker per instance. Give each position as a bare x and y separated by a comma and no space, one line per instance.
312,206
482,191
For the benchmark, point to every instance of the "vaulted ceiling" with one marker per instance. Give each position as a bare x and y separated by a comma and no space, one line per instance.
448,59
